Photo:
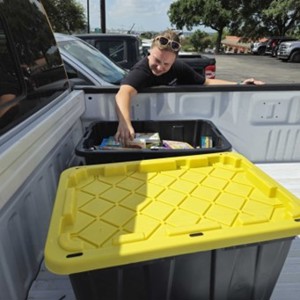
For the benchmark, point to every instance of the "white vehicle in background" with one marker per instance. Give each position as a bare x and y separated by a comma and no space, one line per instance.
146,44
209,50
259,48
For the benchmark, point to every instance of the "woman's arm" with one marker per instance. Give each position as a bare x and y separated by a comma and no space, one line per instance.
226,82
125,131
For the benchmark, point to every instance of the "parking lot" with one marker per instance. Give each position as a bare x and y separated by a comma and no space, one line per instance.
266,68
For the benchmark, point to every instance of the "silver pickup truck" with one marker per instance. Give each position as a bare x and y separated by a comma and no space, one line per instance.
289,51
46,118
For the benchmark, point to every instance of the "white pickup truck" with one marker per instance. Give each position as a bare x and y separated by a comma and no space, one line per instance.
43,124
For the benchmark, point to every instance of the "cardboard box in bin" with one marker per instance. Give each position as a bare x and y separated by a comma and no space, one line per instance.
209,226
203,135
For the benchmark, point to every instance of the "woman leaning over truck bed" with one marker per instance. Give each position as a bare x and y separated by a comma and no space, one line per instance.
160,67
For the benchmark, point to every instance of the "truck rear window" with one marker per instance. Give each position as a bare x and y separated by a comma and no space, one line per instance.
32,74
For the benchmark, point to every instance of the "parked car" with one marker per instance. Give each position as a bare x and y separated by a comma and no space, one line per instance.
85,64
273,44
289,51
123,49
209,50
259,48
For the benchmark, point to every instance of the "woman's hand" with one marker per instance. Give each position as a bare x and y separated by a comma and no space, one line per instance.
253,81
125,131
124,134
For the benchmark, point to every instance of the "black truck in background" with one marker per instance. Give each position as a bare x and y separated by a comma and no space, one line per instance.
201,64
127,49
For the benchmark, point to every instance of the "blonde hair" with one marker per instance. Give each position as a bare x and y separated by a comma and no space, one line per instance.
169,34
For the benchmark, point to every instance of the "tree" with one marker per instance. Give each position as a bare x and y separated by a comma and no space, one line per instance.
42,42
216,14
199,40
268,17
66,16
147,35
282,16
250,19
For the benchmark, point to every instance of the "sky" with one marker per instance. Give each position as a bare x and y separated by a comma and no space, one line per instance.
142,15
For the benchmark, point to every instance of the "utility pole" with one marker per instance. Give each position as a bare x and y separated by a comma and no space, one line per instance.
88,15
103,19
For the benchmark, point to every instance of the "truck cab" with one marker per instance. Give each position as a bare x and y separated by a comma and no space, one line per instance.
123,49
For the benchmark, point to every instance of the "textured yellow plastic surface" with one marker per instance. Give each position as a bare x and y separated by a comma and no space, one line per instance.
115,214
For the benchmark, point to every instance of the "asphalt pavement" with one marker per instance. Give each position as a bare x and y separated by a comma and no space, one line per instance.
237,67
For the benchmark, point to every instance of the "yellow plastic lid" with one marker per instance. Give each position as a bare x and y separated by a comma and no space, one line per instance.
121,213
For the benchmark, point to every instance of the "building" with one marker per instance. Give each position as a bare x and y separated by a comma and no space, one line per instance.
235,44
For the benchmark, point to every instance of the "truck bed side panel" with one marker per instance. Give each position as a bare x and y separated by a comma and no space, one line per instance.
262,125
30,170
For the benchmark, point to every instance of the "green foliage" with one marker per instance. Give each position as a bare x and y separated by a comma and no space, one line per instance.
199,40
250,19
66,16
147,35
282,16
295,32
265,18
29,11
216,14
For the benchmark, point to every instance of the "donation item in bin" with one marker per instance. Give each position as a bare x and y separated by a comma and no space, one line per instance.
154,139
206,142
150,141
140,141
176,145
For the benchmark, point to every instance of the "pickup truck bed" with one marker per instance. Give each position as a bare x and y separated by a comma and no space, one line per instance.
256,123
242,108
48,286
49,118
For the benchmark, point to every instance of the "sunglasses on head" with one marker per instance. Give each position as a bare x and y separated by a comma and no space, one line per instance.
165,42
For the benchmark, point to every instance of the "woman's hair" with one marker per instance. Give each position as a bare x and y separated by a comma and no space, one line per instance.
170,35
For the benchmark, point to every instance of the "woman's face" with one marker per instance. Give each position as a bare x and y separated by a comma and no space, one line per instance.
160,61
